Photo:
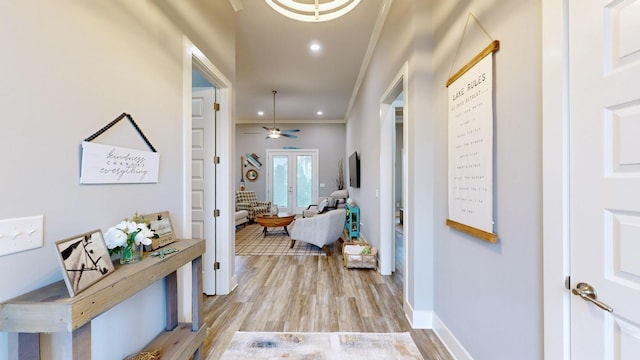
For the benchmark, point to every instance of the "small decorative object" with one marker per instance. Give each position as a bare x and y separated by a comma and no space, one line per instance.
160,224
162,252
252,175
253,160
242,173
274,210
127,239
84,259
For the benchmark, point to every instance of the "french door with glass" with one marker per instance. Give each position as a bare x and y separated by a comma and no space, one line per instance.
292,179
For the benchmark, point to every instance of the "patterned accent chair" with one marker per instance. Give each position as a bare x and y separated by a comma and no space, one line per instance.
247,200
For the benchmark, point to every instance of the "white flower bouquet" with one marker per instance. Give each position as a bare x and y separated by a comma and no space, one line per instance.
128,236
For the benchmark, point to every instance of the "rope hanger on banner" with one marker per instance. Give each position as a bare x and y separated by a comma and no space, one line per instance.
115,121
493,47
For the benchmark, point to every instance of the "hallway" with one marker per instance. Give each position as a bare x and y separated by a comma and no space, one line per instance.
310,294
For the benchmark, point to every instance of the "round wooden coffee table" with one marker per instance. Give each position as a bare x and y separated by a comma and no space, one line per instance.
267,220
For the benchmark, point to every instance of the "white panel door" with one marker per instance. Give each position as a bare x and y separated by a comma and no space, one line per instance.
203,132
604,110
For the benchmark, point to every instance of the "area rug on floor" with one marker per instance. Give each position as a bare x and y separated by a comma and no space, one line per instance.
316,346
251,241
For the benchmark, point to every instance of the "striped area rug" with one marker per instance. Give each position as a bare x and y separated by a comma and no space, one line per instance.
251,241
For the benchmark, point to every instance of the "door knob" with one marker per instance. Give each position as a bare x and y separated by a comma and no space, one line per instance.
587,292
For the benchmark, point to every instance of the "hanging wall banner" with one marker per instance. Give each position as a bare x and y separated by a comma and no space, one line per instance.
107,164
471,147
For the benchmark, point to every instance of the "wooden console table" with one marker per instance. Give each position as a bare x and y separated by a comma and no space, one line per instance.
50,309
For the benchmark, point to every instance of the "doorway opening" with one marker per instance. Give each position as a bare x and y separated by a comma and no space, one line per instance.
394,202
218,260
398,154
203,175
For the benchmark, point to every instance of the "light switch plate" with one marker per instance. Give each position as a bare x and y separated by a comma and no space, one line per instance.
21,234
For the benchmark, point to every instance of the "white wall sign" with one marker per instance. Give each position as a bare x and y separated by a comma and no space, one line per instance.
107,164
471,147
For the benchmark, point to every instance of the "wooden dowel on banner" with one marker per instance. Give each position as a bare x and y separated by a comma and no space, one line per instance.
493,47
486,236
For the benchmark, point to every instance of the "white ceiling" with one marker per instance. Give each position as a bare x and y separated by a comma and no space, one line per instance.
272,53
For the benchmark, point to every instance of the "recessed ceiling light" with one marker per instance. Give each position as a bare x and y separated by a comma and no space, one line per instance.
260,113
319,113
315,47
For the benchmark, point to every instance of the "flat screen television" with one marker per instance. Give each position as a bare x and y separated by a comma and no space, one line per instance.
354,170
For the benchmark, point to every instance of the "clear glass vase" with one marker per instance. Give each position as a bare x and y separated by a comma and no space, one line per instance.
131,253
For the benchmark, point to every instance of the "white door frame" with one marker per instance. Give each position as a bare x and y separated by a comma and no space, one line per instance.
225,277
315,182
555,178
387,181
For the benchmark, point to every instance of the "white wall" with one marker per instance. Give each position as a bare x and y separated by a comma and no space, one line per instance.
327,138
488,296
405,39
68,69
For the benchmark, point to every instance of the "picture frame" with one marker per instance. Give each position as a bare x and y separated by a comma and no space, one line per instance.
84,260
160,224
252,175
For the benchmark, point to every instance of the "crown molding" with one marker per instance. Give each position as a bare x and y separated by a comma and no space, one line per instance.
373,41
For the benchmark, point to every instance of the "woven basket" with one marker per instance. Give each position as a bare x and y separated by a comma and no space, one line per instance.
145,355
360,261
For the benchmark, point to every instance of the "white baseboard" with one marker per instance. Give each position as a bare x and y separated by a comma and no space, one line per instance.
422,319
234,282
449,340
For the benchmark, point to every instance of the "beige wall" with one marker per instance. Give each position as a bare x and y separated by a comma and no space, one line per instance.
68,69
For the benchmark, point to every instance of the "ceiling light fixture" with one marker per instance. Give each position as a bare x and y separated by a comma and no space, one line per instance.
318,11
274,132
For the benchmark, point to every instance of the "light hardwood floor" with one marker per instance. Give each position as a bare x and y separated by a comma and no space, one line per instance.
310,294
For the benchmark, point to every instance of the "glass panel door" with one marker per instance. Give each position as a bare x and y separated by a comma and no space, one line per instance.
304,183
293,179
280,183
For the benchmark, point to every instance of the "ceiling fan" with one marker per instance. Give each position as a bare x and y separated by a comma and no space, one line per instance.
274,132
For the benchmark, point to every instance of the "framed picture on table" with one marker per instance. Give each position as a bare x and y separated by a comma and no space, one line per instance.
84,259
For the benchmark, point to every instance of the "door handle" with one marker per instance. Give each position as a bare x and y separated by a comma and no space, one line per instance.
587,292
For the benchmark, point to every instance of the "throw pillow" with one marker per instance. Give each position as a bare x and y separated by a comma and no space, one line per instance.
340,194
322,205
